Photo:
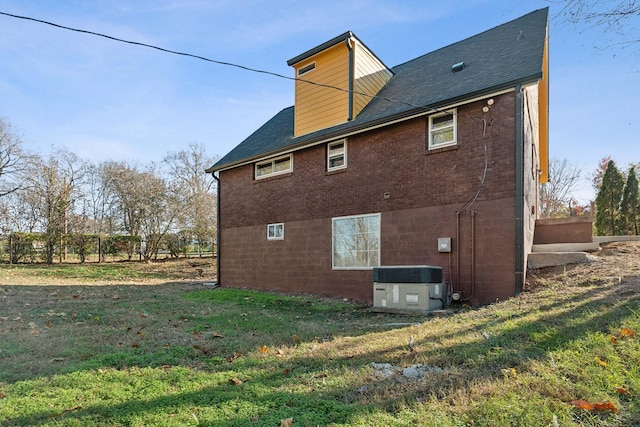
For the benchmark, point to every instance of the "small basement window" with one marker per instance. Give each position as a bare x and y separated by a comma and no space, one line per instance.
337,155
276,166
275,231
306,68
442,129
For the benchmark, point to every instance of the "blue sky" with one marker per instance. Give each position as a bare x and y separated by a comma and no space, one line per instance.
106,100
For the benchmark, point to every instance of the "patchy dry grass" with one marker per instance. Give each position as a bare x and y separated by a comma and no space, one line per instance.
110,273
183,354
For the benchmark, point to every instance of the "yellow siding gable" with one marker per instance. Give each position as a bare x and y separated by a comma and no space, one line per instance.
319,107
370,76
334,83
543,108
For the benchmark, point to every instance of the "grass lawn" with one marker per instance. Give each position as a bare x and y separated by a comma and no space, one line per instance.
179,353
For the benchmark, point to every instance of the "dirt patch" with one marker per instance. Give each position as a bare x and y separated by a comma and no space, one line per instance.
111,273
616,263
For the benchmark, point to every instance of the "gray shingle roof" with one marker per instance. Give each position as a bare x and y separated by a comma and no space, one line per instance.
496,59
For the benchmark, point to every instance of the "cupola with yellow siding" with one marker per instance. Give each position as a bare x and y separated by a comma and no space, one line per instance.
334,82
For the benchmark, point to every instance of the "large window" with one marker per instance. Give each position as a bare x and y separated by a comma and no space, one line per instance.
275,166
356,242
337,155
442,130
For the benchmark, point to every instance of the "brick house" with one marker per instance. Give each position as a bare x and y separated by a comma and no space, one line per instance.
452,145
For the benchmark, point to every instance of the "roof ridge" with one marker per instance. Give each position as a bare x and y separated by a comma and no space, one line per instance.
546,9
498,59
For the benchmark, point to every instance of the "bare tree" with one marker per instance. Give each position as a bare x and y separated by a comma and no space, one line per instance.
195,190
121,178
556,194
19,212
617,18
147,205
162,207
101,199
15,163
52,193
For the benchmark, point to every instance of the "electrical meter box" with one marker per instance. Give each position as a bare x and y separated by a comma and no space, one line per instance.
408,288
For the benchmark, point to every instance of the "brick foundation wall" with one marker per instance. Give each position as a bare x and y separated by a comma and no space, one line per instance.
302,261
564,230
389,171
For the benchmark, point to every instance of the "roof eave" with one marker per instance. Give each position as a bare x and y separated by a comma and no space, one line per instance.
326,45
435,107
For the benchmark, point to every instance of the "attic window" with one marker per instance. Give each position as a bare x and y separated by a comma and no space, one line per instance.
337,155
307,68
275,166
442,129
457,67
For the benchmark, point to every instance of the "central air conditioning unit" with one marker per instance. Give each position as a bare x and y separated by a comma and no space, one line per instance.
408,288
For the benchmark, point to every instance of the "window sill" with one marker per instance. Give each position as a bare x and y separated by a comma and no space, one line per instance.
335,171
441,149
271,178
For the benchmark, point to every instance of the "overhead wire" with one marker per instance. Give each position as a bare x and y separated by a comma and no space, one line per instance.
230,64
472,200
282,76
426,109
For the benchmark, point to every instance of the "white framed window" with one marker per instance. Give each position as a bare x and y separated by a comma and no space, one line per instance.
307,68
443,129
356,242
274,166
275,231
337,155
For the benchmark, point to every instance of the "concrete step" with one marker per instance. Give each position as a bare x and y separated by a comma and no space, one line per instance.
607,239
549,259
567,247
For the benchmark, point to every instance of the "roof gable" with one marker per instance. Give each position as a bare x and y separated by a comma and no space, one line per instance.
343,62
497,59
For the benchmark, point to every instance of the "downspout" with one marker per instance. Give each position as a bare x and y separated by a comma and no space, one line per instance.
351,74
473,254
213,174
519,225
458,250
473,257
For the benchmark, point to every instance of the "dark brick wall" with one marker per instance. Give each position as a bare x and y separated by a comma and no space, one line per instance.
389,171
564,230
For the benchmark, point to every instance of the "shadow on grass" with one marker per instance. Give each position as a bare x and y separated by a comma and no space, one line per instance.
271,386
48,330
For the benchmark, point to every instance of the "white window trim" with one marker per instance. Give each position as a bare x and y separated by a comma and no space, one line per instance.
274,226
454,113
272,161
333,221
302,73
344,155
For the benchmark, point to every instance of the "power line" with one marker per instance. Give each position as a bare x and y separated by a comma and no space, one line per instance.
215,61
174,52
282,76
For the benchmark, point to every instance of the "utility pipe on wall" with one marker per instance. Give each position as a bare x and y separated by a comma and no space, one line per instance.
213,174
458,250
473,256
351,75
